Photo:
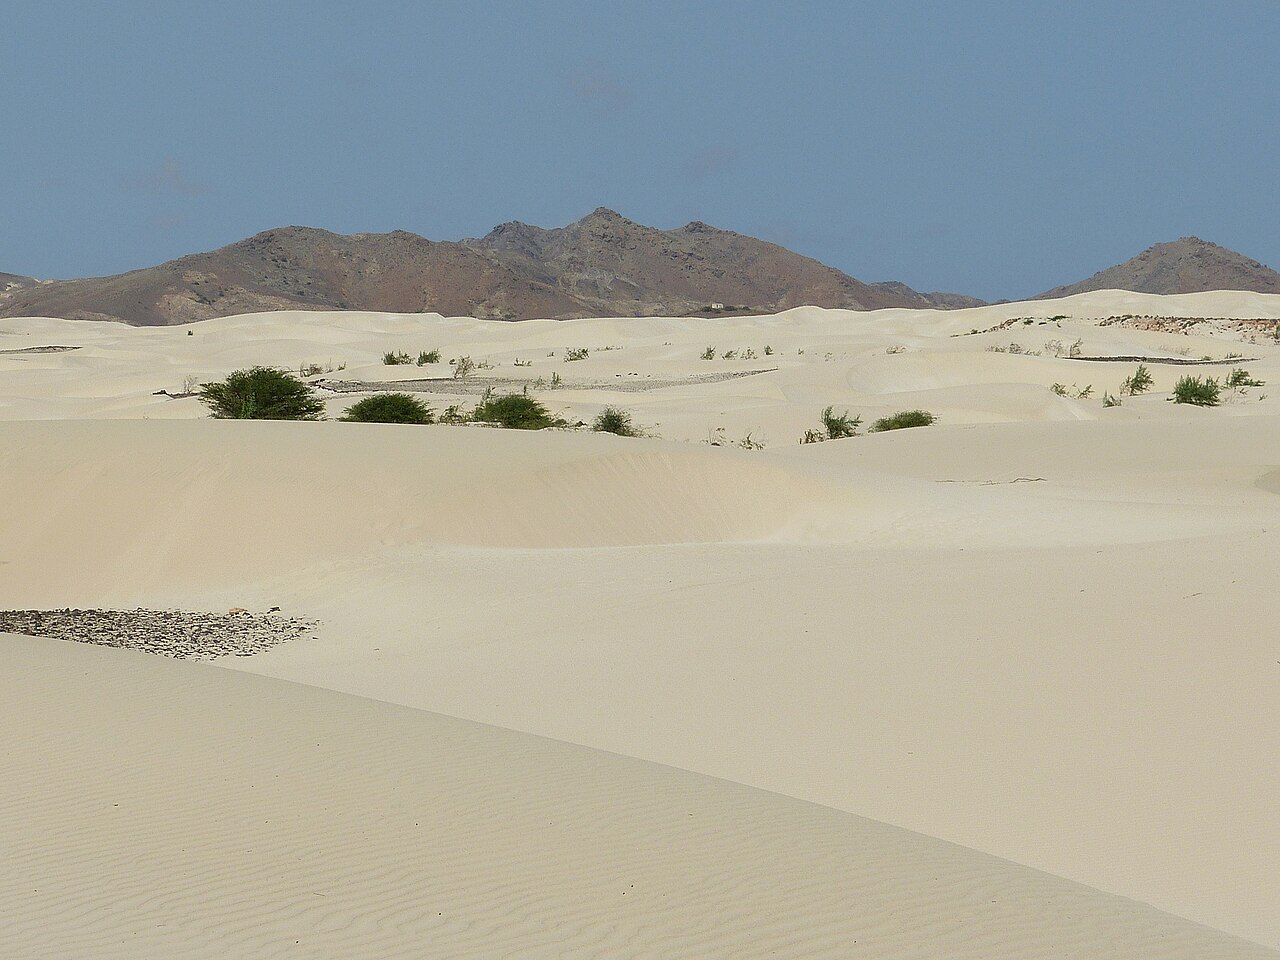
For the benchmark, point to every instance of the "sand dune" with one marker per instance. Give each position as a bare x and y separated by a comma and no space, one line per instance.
161,810
1037,629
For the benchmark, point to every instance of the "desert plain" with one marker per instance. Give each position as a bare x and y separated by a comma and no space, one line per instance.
1003,686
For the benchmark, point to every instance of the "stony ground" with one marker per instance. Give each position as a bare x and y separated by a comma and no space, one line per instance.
182,634
476,386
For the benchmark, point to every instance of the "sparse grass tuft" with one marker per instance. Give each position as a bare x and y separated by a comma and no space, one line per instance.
392,358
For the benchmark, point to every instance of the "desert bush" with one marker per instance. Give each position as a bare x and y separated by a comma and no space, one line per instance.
515,411
463,367
902,420
1110,401
1239,378
729,355
579,353
392,358
708,354
1197,391
388,408
615,420
1139,381
768,351
428,356
261,393
839,425
454,414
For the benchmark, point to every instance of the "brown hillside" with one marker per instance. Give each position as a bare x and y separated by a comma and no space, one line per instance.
1188,265
602,265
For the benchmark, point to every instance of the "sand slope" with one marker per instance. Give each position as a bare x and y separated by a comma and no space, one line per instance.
890,625
1038,629
157,809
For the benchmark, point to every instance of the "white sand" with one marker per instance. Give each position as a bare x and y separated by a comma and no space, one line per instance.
164,809
1038,629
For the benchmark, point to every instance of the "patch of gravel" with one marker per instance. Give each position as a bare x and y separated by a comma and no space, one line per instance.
476,386
52,349
182,634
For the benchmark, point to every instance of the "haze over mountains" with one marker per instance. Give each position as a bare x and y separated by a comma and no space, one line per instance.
602,265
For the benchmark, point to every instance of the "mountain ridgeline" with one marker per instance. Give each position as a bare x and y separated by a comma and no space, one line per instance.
601,265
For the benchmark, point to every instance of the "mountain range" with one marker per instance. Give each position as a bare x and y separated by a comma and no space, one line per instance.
601,265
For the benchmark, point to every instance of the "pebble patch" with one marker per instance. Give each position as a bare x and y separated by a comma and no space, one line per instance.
181,634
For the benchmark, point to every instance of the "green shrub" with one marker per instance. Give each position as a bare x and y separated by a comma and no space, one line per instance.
579,353
428,356
1197,391
708,354
515,411
902,420
615,420
839,426
261,393
1139,382
1239,378
393,358
388,408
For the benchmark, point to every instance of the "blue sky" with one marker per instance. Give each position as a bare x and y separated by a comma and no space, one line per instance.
992,148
